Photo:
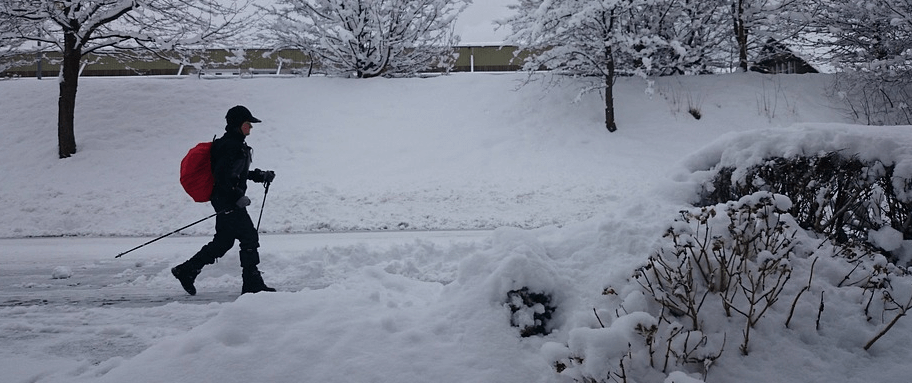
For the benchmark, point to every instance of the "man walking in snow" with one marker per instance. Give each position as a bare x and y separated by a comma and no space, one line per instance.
231,158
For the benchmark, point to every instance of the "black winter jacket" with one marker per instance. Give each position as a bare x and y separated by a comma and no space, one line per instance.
231,158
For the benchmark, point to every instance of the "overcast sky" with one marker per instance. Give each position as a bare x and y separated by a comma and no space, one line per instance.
475,25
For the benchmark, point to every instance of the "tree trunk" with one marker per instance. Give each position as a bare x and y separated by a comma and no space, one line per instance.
609,93
740,33
66,103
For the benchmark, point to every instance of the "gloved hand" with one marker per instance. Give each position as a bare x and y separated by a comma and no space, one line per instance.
256,175
260,176
243,201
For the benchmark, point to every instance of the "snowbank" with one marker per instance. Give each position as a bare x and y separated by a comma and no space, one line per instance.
573,210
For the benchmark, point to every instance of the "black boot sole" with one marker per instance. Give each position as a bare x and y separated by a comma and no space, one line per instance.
254,291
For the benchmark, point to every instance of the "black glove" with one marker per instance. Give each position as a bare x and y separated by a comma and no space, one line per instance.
260,176
256,175
243,202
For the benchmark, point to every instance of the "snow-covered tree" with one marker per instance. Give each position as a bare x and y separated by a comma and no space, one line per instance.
755,23
597,38
369,38
871,42
79,27
696,33
10,40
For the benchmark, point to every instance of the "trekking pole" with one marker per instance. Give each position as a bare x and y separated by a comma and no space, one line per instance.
266,185
175,231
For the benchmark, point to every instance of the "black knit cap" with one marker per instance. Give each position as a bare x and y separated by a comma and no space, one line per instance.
238,114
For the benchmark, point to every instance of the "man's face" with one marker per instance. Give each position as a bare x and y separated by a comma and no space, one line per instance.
245,128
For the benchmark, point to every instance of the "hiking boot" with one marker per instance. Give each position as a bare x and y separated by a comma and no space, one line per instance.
253,281
186,274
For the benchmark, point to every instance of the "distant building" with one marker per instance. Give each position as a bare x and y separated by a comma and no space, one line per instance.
776,58
223,62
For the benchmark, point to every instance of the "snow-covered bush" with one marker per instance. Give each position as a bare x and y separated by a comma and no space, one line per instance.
737,271
842,197
531,311
744,267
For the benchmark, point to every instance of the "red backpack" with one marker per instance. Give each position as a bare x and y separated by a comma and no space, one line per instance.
196,172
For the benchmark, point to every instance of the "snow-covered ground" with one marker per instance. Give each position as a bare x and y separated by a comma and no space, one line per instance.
402,213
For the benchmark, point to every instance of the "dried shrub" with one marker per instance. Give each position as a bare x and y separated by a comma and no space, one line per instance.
727,264
745,268
531,311
874,98
843,198
721,271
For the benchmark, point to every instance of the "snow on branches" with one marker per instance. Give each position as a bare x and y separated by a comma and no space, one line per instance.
368,38
112,27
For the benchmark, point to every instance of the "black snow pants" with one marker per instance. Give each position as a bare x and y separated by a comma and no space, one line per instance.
233,225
